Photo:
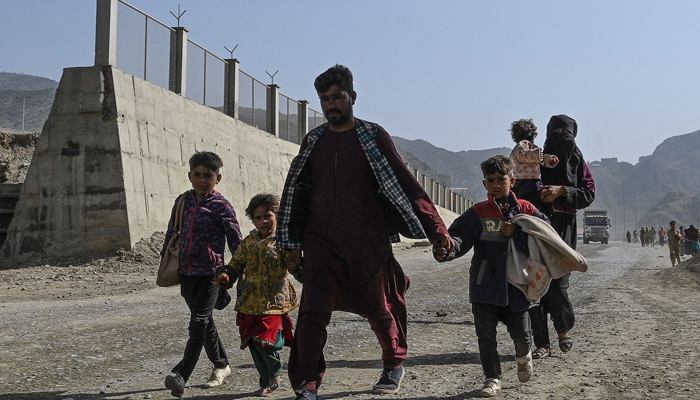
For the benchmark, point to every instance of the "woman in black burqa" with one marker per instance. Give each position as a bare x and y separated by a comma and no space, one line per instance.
566,188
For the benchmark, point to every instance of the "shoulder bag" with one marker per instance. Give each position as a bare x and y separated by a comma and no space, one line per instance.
169,270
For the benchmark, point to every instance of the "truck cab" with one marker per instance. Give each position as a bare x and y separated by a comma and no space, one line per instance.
596,226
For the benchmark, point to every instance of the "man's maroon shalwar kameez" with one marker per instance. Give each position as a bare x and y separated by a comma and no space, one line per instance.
348,261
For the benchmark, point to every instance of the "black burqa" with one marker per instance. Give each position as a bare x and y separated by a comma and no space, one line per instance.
562,145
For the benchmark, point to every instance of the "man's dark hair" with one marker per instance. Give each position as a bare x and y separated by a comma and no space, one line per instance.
499,163
269,200
672,222
523,129
336,75
206,159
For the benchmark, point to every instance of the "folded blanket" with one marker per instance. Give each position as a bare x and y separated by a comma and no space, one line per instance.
550,258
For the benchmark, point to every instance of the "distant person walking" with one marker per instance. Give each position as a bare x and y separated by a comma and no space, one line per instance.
629,237
635,235
643,236
662,236
568,187
674,246
691,237
652,234
682,240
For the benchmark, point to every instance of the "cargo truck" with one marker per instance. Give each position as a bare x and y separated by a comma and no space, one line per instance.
596,226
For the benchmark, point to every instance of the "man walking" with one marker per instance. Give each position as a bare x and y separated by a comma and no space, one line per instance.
674,244
347,196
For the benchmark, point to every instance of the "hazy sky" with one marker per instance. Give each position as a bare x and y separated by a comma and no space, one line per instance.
455,73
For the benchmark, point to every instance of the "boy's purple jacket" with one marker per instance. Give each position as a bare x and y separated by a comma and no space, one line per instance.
207,225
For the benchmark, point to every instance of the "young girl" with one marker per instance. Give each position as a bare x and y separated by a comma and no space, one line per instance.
528,158
265,294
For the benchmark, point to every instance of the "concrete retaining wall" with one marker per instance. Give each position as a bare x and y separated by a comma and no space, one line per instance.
112,157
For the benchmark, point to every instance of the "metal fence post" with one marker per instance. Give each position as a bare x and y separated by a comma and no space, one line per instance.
436,195
303,124
273,107
178,60
231,83
106,33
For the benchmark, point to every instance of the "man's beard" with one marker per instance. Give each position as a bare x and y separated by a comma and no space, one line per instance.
335,117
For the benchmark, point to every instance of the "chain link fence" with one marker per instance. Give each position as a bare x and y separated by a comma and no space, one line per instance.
143,45
288,118
205,76
316,118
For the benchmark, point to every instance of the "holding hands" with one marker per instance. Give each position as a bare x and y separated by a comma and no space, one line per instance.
443,246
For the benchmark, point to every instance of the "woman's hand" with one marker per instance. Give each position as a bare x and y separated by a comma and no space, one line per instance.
551,193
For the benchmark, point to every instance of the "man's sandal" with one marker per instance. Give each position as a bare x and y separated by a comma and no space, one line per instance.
565,344
542,352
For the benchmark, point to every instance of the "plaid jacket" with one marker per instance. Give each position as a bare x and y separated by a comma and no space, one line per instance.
389,186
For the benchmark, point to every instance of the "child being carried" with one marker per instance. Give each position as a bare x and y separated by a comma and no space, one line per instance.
528,159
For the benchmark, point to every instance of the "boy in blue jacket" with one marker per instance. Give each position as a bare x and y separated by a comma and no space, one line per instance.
208,224
486,226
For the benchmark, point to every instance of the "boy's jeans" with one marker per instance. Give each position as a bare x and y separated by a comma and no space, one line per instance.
486,317
200,293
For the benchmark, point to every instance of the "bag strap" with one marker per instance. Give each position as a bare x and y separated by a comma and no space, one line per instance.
179,212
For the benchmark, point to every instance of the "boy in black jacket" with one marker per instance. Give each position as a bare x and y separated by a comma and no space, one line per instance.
486,226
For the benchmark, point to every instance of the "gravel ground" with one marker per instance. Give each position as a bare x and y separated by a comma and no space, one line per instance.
101,329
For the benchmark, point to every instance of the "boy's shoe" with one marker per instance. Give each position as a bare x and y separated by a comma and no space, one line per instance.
176,384
305,394
491,387
525,367
217,377
389,382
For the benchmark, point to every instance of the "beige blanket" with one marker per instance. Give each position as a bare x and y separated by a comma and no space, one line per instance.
550,258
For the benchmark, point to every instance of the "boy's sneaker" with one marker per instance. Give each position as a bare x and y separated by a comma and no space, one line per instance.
389,382
305,394
176,384
217,377
525,367
491,387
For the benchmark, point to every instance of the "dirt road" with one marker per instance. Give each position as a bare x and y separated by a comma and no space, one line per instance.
102,330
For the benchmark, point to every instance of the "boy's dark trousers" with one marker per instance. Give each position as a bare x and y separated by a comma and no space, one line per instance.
486,317
200,293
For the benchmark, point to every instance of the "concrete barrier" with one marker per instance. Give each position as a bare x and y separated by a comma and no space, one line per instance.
112,157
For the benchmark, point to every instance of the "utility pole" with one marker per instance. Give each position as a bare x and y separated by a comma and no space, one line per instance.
636,223
615,213
624,220
24,100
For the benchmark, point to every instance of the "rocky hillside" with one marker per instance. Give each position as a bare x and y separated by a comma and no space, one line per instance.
680,207
16,150
620,186
462,167
38,93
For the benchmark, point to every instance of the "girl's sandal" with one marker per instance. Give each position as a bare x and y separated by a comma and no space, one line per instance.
565,344
542,352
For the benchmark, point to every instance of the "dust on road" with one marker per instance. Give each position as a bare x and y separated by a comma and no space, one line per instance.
100,329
